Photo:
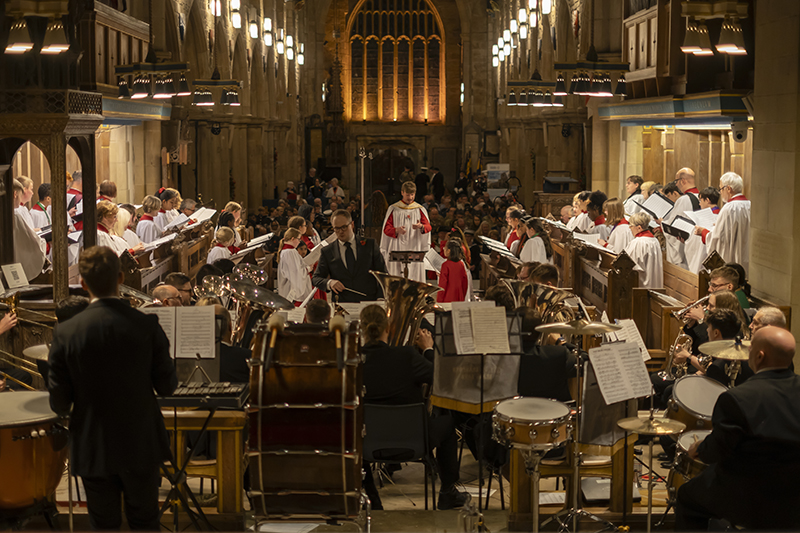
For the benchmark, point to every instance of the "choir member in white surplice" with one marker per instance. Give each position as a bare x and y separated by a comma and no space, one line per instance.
537,248
619,233
645,250
27,194
580,220
106,236
730,236
633,188
594,210
694,247
29,248
687,201
170,200
674,245
223,245
513,217
406,228
40,212
146,229
294,283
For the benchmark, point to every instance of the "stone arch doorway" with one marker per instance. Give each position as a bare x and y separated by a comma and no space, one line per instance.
388,161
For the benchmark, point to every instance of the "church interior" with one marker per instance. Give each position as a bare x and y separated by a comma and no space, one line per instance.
221,137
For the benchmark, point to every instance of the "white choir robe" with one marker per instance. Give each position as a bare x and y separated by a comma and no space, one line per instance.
118,244
696,252
147,230
582,222
675,249
401,215
131,238
598,227
630,206
731,235
163,218
26,216
620,237
29,248
218,252
646,252
39,218
294,283
514,246
534,251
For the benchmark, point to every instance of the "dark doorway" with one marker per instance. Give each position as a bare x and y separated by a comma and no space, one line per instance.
388,163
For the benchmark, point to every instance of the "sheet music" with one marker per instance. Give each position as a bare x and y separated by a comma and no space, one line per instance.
260,240
620,371
79,208
70,197
657,205
552,498
75,236
201,215
705,218
158,242
630,333
433,261
462,327
313,256
298,314
178,221
166,319
490,330
682,223
498,247
555,223
194,332
587,237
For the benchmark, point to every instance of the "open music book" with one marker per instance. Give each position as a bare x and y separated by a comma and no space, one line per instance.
190,330
620,371
313,256
680,227
433,261
556,223
497,246
657,205
479,327
590,239
705,218
201,215
158,242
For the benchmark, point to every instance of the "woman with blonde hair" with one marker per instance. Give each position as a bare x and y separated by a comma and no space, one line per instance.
646,188
293,281
107,214
223,242
122,228
619,234
580,220
25,197
146,229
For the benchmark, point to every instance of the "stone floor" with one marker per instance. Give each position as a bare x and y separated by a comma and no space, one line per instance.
404,504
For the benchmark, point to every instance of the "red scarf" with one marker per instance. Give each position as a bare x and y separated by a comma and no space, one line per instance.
147,217
693,189
287,247
738,198
233,249
645,233
599,220
161,211
622,222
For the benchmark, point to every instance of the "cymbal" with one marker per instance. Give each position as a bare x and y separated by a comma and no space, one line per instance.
656,426
259,295
578,327
730,350
39,352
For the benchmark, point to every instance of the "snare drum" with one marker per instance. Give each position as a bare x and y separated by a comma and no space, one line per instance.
693,400
684,467
33,449
531,423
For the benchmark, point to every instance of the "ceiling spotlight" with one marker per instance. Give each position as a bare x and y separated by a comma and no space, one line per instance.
561,88
141,88
123,88
621,87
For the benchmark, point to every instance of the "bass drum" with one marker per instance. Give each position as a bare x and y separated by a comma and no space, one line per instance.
693,400
33,449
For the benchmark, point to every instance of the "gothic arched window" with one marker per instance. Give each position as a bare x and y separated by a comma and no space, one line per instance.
396,62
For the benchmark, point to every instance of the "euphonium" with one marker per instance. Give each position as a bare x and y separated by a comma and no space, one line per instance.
673,370
406,301
522,290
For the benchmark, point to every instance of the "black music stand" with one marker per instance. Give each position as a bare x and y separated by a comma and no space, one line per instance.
407,257
447,349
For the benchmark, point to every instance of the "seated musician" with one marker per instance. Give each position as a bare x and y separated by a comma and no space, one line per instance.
742,290
394,375
232,360
525,270
543,370
318,312
545,274
69,307
501,296
753,451
168,296
183,284
8,321
765,316
723,324
645,250
619,233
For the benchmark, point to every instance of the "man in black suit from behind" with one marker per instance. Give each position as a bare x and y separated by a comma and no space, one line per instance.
437,185
104,364
753,451
346,262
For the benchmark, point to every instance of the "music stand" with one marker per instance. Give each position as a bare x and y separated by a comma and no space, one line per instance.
406,257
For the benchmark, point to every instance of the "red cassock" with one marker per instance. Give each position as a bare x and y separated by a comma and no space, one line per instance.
453,281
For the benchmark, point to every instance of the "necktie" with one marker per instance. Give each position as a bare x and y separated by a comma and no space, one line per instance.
350,257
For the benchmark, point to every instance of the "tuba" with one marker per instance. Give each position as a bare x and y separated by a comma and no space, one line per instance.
406,304
550,303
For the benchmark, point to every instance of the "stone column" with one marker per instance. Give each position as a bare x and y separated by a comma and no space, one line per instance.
774,223
255,172
152,156
239,164
57,158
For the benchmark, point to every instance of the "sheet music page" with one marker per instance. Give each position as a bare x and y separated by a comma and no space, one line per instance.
194,332
298,314
70,197
489,330
657,205
630,333
462,327
201,215
611,336
705,218
166,318
261,239
179,220
587,237
556,223
684,224
497,246
618,368
79,208
75,236
158,242
313,256
434,260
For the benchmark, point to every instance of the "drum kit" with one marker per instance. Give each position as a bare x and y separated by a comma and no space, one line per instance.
734,351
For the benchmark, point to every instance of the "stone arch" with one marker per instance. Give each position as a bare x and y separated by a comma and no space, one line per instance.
239,72
195,48
222,53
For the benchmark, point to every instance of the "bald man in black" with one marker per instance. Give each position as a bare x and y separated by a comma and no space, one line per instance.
753,451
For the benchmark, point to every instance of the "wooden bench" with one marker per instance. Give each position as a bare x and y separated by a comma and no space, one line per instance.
605,280
652,312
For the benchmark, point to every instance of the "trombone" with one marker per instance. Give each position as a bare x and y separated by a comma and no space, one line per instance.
12,304
21,364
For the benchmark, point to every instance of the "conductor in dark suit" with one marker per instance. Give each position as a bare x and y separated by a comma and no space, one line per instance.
345,263
753,451
104,365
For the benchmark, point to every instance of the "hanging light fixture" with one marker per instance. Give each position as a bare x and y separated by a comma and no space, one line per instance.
141,87
507,36
533,13
290,53
183,87
301,58
19,40
123,88
705,41
561,88
691,41
512,99
523,99
622,89
55,40
253,29
558,101
160,92
731,39
267,31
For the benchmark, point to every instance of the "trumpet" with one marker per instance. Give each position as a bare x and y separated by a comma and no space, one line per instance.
681,314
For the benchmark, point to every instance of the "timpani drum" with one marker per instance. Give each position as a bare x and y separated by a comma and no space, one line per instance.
33,449
684,467
693,400
531,423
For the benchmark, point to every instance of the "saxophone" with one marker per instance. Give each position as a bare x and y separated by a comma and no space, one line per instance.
673,371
